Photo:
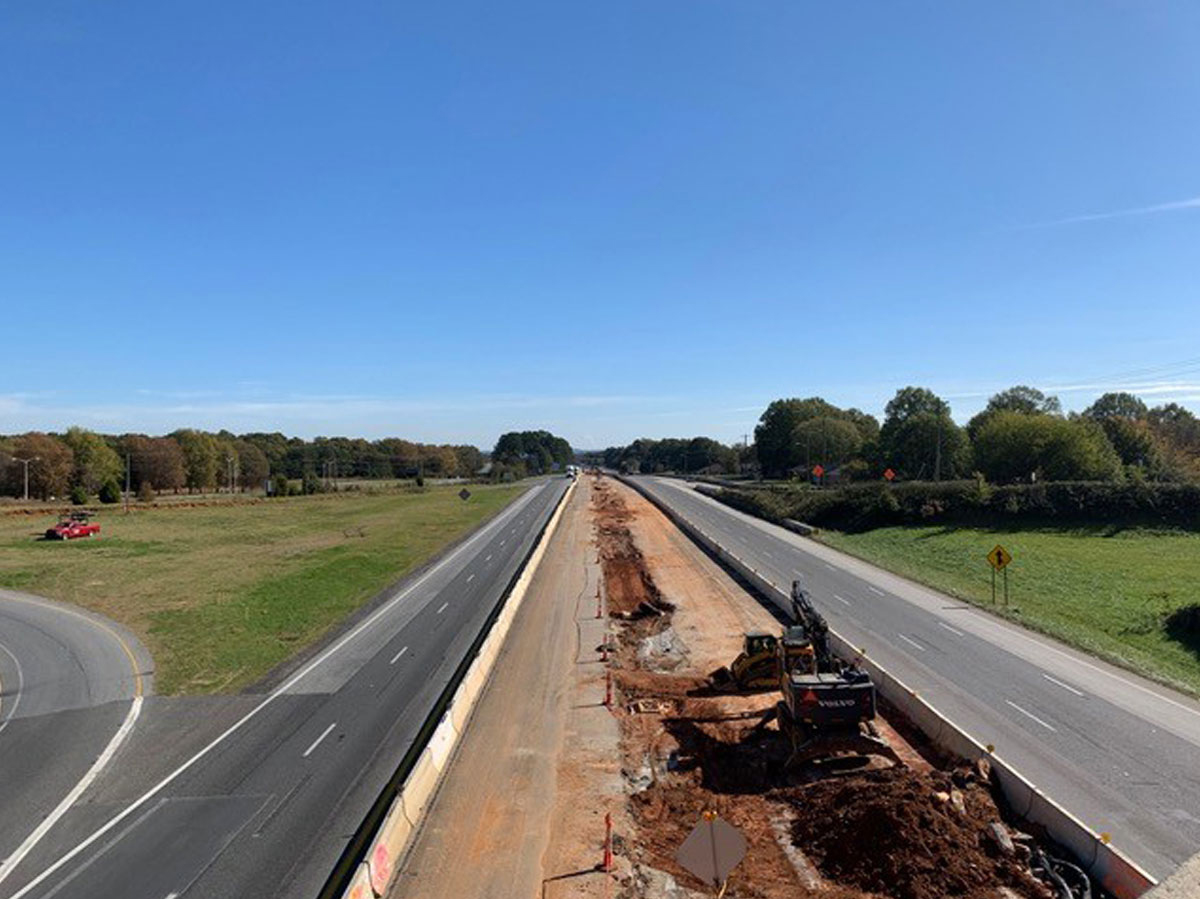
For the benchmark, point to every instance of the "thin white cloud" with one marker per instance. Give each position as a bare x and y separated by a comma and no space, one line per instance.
1175,206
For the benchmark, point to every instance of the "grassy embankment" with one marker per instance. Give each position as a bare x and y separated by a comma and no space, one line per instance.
1106,591
221,594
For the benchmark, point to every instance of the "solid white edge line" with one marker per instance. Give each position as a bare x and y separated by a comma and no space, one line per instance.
20,686
910,640
396,657
1067,687
876,590
317,741
237,725
1029,714
952,630
135,709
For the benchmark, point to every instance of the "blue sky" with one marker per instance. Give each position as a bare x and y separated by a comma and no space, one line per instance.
442,221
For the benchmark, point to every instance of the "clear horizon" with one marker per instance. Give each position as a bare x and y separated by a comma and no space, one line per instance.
609,222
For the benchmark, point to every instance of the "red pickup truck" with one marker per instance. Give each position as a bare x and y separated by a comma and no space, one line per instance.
78,524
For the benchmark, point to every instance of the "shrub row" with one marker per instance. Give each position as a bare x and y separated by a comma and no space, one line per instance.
859,507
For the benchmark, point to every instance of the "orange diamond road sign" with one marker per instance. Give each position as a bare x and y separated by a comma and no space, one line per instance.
999,557
818,470
890,475
712,850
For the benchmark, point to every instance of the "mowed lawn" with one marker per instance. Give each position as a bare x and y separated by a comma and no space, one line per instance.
1108,592
220,594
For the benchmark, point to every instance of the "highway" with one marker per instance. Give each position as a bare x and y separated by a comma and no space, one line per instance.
1118,751
259,794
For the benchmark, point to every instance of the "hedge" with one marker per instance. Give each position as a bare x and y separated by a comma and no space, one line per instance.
859,507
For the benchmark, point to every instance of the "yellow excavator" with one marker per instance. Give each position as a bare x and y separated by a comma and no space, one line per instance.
827,708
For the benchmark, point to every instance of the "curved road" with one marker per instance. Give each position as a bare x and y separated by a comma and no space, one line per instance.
1120,752
71,684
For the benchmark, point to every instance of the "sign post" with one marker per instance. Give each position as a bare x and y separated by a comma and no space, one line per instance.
999,558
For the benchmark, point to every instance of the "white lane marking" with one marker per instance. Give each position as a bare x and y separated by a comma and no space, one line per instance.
396,657
1066,687
952,630
830,567
767,554
502,542
135,709
172,896
911,642
489,558
11,862
1029,714
443,608
470,577
317,741
20,686
839,599
876,590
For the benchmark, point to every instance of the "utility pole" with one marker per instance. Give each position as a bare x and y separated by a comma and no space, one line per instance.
127,483
26,462
937,456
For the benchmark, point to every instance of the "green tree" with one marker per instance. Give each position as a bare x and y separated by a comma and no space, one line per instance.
1116,405
252,466
829,441
1027,400
95,461
1017,446
919,439
775,434
110,491
200,459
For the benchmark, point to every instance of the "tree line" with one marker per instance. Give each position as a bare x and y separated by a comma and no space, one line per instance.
1021,436
83,463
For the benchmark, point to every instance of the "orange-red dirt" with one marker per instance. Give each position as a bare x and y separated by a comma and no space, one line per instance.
889,834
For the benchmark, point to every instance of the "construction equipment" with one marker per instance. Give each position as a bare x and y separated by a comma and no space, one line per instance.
828,707
757,668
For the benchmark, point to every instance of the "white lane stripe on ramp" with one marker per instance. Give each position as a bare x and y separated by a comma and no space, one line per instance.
135,709
952,630
839,599
396,657
116,819
20,686
876,590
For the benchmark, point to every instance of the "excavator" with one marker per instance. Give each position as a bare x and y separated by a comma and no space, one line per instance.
827,707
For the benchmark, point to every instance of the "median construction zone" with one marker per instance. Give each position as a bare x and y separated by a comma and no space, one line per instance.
602,740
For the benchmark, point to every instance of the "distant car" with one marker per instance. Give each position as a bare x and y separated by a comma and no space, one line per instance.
78,524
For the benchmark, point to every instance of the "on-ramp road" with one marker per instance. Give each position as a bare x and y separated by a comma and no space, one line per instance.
259,795
1120,752
71,686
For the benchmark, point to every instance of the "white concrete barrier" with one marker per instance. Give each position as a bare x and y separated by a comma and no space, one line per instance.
375,873
1113,870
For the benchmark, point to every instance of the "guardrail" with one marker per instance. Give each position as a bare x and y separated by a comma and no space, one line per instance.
1108,866
371,862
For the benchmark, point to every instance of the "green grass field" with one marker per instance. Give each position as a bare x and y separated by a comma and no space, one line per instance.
1108,592
221,594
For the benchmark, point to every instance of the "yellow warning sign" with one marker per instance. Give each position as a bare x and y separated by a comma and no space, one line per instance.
999,557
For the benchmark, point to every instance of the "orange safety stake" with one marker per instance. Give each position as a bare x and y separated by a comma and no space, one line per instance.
608,854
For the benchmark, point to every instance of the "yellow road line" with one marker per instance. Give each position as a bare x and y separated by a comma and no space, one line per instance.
59,607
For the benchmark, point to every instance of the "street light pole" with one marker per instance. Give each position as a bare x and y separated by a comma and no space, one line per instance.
26,462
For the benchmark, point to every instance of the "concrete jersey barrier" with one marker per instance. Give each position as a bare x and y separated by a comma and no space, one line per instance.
374,874
1112,869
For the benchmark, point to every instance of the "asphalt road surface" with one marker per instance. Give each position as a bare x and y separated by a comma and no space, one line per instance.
1120,752
258,795
70,689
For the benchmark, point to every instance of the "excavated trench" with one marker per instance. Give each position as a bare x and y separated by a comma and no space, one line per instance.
912,832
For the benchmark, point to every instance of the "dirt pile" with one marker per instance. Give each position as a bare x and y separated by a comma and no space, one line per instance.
900,833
